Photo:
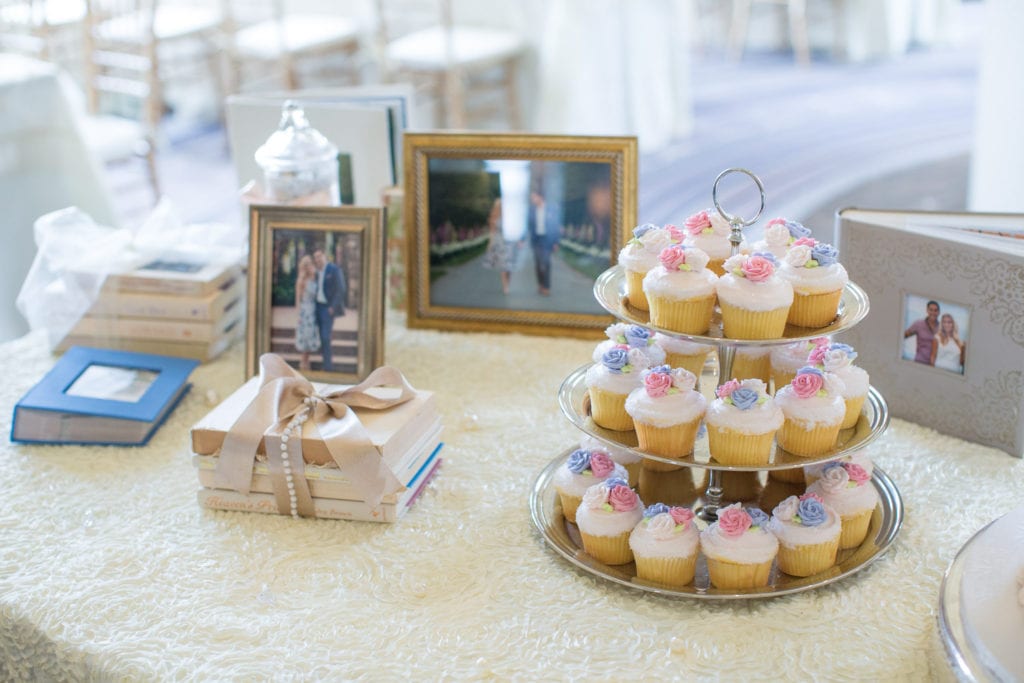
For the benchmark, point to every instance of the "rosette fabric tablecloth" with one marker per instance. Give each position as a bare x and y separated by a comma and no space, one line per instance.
109,569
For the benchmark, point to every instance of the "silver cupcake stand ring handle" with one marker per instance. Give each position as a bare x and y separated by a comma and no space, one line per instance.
737,222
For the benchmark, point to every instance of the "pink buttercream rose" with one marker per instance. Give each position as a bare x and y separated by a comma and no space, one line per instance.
657,384
675,233
807,385
733,520
817,355
681,516
804,241
821,341
757,268
815,496
727,388
777,221
601,465
698,223
622,498
673,257
857,473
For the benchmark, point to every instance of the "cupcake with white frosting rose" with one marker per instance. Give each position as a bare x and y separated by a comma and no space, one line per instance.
666,412
838,359
742,423
583,469
609,383
808,533
665,545
818,279
641,255
681,291
787,359
812,473
739,548
846,488
779,234
606,517
814,410
753,299
633,336
708,231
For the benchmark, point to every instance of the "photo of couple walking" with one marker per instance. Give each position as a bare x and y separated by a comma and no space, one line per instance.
939,338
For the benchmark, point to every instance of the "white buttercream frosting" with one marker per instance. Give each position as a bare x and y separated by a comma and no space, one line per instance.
754,546
641,253
660,536
812,472
814,280
759,419
814,411
791,533
621,455
683,347
769,295
654,352
855,381
665,411
791,357
616,383
593,518
844,496
567,481
679,284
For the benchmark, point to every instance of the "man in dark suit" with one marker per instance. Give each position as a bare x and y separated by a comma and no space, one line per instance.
544,223
331,291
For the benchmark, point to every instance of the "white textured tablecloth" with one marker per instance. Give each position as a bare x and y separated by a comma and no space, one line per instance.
110,570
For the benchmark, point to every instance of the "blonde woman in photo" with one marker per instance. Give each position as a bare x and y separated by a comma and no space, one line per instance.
947,349
307,334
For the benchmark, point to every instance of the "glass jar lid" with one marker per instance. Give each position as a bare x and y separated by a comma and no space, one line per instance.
295,144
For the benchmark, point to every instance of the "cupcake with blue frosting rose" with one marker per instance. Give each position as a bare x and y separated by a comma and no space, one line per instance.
808,531
846,487
779,235
626,457
742,422
666,411
753,298
708,231
818,279
609,383
837,359
606,517
739,548
640,255
583,469
633,336
681,291
813,407
665,545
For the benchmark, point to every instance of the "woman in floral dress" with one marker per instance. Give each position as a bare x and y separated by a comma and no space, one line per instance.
307,337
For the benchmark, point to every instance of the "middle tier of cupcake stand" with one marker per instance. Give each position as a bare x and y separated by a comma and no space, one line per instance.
563,537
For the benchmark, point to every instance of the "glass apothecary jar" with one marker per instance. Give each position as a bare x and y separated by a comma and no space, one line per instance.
300,165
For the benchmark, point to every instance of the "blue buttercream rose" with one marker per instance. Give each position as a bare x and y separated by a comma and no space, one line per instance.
637,336
824,254
615,481
744,398
797,230
845,348
655,509
615,360
579,460
641,230
811,512
810,370
767,255
757,516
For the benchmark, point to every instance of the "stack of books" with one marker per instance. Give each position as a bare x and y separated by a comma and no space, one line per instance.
171,306
407,436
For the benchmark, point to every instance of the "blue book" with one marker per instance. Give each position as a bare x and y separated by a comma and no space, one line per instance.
102,396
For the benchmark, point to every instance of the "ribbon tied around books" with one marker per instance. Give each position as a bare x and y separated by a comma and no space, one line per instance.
288,403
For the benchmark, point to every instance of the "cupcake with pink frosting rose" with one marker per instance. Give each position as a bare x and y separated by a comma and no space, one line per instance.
814,410
665,545
754,300
838,359
623,456
609,383
779,234
708,231
633,336
683,353
808,531
641,255
681,291
846,488
739,548
666,412
742,423
812,473
606,517
818,279
583,469
786,360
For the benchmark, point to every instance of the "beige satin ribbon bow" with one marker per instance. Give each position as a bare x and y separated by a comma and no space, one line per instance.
283,394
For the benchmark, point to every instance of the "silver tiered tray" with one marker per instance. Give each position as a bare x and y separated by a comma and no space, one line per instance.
564,538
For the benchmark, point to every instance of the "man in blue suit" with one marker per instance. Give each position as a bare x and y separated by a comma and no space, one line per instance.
331,291
544,222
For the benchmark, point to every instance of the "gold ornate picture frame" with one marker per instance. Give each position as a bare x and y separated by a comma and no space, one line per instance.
507,232
317,273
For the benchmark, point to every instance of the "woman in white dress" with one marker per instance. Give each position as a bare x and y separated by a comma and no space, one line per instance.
947,349
307,336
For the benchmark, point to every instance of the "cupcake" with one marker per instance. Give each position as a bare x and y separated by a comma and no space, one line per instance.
752,362
681,291
814,410
846,488
742,423
606,517
622,456
779,234
808,533
786,360
754,300
665,545
818,280
583,469
838,359
609,383
681,353
812,473
641,255
739,548
666,412
633,336
709,232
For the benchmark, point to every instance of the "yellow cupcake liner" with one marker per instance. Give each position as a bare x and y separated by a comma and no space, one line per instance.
670,571
740,323
608,410
730,447
608,549
635,290
814,310
790,476
570,504
853,408
855,529
807,443
694,363
669,442
725,574
751,367
807,560
688,316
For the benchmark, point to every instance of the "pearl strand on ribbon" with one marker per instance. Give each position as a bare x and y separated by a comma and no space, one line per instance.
289,430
